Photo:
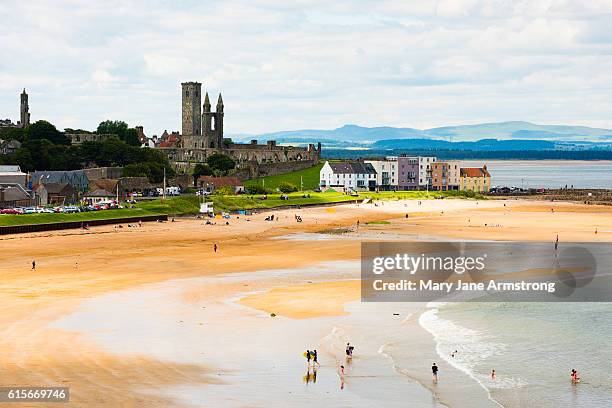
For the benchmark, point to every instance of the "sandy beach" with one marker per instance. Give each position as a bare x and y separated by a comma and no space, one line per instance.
153,317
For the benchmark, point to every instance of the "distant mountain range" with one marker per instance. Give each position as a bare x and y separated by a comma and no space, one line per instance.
486,136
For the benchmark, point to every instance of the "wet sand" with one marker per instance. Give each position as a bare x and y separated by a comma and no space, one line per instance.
74,268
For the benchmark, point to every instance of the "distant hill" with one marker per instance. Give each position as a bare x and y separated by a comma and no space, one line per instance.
480,145
358,136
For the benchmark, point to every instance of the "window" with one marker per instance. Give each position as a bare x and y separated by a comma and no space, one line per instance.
187,94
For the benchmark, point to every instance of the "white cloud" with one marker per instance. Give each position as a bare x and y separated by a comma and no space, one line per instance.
310,64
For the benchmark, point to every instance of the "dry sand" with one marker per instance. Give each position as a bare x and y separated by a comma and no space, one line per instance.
76,265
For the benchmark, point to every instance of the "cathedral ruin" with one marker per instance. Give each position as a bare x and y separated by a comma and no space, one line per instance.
202,135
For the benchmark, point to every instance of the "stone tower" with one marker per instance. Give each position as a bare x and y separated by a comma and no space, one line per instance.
207,123
212,124
219,121
25,110
192,111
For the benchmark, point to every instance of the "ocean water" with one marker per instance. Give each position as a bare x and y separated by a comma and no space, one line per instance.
548,173
532,346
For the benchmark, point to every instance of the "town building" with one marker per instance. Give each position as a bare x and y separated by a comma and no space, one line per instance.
386,173
425,171
202,135
9,146
445,175
347,176
407,173
98,196
475,179
14,195
12,174
210,184
55,194
76,178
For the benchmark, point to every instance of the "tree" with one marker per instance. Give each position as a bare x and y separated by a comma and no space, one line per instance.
220,162
286,187
43,130
201,170
136,170
121,129
11,133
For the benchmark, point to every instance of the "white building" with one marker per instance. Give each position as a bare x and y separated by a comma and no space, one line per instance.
386,173
425,170
343,176
12,174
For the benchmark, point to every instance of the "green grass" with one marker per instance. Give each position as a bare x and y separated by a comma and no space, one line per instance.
22,219
309,176
378,222
191,205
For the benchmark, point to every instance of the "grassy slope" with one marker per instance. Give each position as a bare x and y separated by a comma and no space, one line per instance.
310,177
191,205
6,219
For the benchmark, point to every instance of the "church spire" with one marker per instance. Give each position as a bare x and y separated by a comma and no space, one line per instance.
206,103
220,104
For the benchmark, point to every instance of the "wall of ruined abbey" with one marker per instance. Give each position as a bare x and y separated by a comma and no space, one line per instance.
252,159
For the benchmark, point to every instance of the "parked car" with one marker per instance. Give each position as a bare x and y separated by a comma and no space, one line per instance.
29,210
10,211
71,210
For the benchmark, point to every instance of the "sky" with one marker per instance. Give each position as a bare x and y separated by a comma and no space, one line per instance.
319,64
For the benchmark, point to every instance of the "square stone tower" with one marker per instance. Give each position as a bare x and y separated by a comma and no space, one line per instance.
24,110
192,108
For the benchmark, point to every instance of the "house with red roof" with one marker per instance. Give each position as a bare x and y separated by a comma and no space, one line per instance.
476,179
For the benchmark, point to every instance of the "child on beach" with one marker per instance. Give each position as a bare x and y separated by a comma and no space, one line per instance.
493,374
434,370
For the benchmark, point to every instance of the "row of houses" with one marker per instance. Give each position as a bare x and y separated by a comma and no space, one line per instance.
42,188
404,173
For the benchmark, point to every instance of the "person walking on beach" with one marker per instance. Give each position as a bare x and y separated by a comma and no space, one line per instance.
33,265
315,357
215,247
307,355
557,243
493,374
349,351
434,371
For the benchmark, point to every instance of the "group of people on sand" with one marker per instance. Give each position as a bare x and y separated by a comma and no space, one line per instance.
312,356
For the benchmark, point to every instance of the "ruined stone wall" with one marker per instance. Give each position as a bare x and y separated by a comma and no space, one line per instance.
250,171
98,173
78,138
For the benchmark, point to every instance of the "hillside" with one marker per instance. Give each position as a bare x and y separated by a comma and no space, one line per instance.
359,136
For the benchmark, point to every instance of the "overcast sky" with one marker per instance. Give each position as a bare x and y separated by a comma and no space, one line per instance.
284,65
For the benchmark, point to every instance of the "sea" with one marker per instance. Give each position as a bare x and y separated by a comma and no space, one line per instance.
532,347
547,173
